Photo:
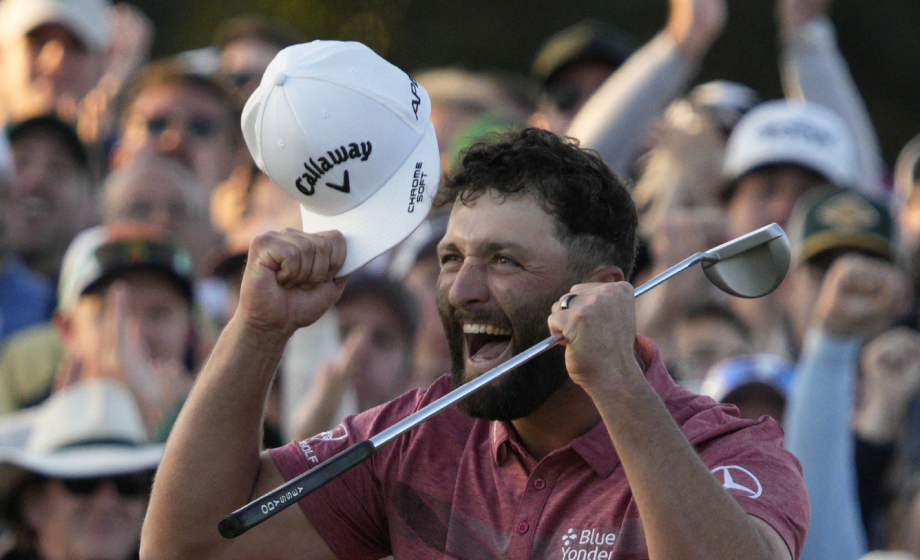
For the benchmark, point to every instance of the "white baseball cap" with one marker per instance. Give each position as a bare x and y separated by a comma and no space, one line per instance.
348,136
92,428
803,134
87,19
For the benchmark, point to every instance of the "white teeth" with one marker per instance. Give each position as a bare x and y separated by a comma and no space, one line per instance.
478,328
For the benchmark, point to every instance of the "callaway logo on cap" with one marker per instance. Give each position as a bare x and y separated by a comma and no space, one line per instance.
349,137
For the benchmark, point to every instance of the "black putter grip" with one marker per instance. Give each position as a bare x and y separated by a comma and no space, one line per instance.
293,490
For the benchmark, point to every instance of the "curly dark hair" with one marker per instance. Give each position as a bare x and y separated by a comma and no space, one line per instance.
595,214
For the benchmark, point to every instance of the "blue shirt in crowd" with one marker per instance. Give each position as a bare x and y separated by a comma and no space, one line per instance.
25,298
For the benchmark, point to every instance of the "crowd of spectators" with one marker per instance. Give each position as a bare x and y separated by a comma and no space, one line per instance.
128,200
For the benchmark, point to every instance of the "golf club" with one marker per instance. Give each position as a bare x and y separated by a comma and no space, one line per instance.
749,266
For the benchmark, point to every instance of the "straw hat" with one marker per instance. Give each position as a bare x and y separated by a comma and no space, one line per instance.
90,429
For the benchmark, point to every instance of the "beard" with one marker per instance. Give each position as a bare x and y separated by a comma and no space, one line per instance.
521,391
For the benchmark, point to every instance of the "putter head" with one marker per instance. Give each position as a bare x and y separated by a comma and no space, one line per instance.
751,266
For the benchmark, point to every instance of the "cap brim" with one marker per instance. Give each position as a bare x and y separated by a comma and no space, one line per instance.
868,242
388,216
94,37
77,462
756,162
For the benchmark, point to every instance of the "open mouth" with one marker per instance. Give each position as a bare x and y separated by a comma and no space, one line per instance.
485,342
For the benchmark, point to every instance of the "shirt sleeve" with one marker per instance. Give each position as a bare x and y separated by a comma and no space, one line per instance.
755,468
818,423
814,70
349,512
614,121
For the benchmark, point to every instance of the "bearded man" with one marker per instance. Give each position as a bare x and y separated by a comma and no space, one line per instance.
590,451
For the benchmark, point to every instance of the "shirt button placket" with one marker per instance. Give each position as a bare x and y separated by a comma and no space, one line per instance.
531,508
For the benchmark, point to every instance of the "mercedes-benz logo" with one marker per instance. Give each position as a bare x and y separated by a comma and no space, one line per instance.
739,478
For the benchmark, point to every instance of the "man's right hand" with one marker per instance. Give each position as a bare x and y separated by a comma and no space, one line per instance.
289,281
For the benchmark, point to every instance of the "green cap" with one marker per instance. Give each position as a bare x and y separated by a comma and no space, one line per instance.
104,252
840,220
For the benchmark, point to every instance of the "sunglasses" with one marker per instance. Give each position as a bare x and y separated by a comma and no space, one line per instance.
201,128
565,96
240,79
132,485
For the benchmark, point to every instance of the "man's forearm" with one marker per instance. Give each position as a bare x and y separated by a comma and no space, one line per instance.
616,118
212,456
814,70
685,512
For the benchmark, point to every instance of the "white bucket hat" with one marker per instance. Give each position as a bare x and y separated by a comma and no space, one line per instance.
90,429
803,134
87,19
349,137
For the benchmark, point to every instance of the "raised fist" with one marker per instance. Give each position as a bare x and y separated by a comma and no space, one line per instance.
860,296
289,281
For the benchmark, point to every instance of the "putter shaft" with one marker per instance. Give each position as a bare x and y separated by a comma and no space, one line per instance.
268,505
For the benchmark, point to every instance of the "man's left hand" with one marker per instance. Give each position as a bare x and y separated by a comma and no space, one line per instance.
599,332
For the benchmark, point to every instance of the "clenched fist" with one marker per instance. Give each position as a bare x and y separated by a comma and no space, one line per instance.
860,296
289,281
599,332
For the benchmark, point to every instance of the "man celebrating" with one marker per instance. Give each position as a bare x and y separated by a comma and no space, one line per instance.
590,451
589,443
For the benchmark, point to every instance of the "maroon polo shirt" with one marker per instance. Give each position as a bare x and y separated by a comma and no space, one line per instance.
462,488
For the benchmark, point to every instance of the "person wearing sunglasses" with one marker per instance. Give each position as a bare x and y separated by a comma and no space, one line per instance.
185,116
78,488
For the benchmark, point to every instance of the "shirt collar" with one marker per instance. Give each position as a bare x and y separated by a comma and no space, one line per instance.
503,440
595,446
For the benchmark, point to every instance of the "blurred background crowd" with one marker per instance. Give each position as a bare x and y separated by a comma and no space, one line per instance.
128,200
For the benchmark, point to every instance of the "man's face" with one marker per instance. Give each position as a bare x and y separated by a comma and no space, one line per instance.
768,195
100,524
502,269
168,197
47,70
155,309
183,123
569,93
386,367
49,195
